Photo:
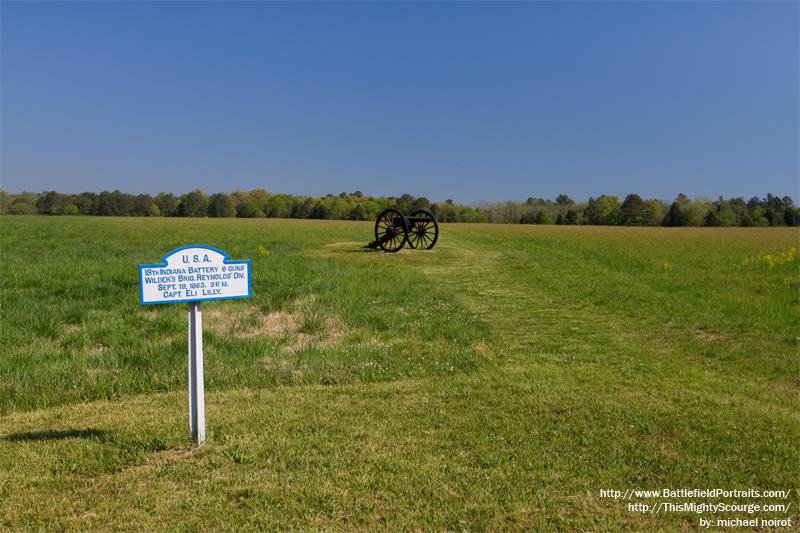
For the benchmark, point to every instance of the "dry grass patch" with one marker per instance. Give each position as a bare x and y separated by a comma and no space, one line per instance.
291,370
251,322
100,372
706,336
163,458
302,322
72,329
330,334
97,349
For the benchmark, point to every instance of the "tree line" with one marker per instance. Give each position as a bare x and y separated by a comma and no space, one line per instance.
604,210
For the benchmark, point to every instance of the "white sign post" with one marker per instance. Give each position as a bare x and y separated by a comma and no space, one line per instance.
197,402
194,274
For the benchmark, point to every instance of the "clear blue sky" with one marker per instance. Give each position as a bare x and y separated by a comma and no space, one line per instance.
470,101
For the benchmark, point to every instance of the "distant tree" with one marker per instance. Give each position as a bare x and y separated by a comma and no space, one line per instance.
24,204
632,211
571,217
420,203
105,205
238,197
167,204
603,211
86,203
141,205
532,201
22,208
358,212
262,197
302,207
5,202
652,213
563,199
122,203
746,221
757,217
280,206
250,208
50,203
791,216
444,212
720,214
405,203
676,217
607,209
321,210
221,205
696,211
193,204
740,211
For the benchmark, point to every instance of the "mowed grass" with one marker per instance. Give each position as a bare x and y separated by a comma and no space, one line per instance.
496,382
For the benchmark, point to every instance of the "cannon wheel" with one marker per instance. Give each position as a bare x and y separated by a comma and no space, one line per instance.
391,230
423,234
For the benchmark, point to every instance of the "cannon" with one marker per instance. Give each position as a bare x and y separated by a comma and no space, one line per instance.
393,230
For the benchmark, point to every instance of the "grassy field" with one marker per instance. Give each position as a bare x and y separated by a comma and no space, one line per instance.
497,382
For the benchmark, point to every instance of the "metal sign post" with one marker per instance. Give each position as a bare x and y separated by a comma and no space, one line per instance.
197,404
194,274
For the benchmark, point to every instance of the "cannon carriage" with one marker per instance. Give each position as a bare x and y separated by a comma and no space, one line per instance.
393,230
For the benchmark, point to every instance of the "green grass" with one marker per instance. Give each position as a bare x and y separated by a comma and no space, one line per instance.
497,382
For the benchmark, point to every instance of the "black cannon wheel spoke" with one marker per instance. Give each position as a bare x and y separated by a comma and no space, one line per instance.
425,239
424,232
391,232
414,237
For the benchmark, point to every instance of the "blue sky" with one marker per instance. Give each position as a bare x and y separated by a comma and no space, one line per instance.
470,101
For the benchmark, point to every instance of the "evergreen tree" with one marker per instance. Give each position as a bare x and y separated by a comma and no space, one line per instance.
632,211
563,199
571,218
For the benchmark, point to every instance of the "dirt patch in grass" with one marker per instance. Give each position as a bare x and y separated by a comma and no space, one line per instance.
165,457
71,329
484,350
706,336
97,349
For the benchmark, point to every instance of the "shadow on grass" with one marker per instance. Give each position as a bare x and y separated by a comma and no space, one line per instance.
350,247
361,250
57,435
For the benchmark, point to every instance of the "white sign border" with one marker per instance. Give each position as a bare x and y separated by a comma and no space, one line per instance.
225,260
